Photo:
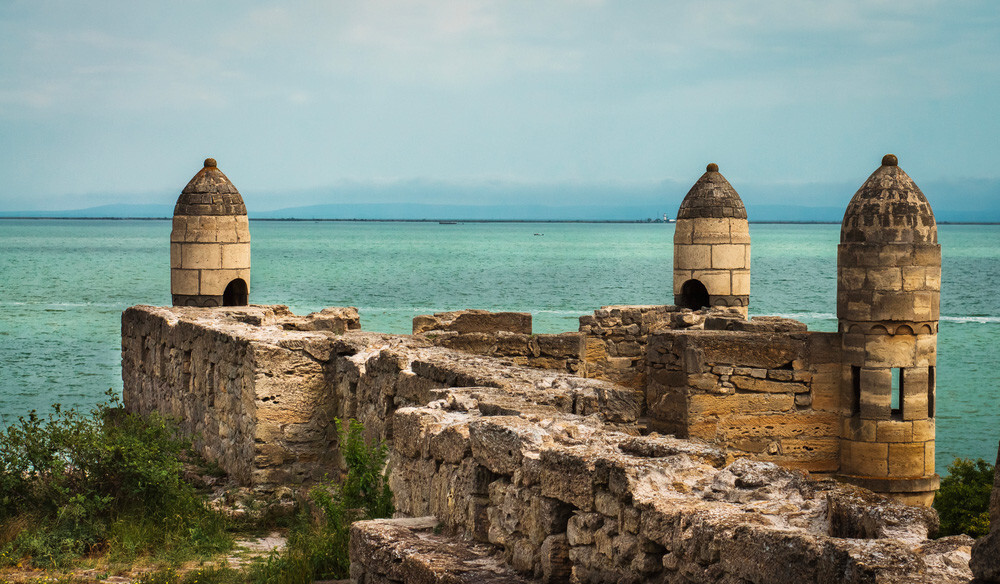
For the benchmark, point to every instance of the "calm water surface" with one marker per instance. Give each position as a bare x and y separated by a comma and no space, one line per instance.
64,284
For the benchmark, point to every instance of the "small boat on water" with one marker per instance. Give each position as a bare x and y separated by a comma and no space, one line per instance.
447,222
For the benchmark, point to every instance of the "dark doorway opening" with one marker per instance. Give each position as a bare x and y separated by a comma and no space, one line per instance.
694,295
236,293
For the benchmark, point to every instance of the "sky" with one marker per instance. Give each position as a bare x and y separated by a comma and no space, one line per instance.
344,101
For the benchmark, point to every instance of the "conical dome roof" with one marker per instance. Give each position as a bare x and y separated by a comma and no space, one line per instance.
210,193
889,208
712,196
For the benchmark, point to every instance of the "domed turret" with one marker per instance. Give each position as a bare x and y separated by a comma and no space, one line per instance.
888,296
712,246
210,243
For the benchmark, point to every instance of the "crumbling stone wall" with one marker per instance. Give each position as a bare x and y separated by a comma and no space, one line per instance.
549,470
506,335
771,395
569,498
254,397
616,338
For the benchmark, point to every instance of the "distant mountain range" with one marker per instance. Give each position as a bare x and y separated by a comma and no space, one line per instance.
959,201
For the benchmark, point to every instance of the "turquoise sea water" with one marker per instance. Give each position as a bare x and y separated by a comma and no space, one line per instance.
63,285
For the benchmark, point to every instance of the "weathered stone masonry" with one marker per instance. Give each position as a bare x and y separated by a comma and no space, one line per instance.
547,469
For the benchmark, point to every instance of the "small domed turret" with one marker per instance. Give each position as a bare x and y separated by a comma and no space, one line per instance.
210,242
712,246
888,294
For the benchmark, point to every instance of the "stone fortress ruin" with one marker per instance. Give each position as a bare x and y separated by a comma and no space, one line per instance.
669,443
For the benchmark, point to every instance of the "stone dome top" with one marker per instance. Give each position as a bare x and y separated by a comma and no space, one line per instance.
210,193
889,208
712,196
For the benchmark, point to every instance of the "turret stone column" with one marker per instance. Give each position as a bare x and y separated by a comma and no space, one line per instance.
712,246
210,243
888,294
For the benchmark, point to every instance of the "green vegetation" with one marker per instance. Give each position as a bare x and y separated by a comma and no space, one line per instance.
963,501
106,488
73,485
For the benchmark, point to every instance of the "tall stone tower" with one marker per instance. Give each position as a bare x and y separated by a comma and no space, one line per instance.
712,246
888,294
210,243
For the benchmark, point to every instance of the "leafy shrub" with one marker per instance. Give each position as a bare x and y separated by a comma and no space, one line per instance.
963,502
317,546
73,484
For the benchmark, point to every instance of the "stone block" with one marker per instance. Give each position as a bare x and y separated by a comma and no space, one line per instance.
739,232
683,230
825,389
865,458
813,454
884,278
236,255
890,350
184,281
926,351
929,458
915,393
894,431
740,403
741,282
923,430
728,256
876,393
692,257
711,230
860,430
906,460
763,385
788,425
718,283
568,477
851,278
914,278
201,256
563,346
451,444
484,322
499,443
751,350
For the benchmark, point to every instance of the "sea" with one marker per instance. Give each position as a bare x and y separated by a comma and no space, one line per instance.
65,283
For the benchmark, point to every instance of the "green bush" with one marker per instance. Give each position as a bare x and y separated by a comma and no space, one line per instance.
73,484
963,502
317,547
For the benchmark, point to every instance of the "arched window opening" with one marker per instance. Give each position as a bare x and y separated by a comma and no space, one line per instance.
236,293
694,295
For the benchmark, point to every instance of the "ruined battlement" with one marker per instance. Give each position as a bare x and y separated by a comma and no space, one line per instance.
549,475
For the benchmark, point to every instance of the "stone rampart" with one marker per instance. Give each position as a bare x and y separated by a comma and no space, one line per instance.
545,472
575,498
771,395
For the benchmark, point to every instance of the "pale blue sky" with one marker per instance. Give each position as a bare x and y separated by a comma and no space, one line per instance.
107,102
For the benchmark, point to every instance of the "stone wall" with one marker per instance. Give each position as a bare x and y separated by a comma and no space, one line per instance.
548,474
258,387
986,553
771,395
569,498
616,338
253,395
506,335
